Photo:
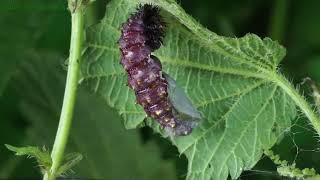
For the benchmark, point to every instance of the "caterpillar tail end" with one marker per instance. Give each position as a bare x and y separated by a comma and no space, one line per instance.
182,128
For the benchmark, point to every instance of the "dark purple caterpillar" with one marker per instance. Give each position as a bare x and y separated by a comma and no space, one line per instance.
141,35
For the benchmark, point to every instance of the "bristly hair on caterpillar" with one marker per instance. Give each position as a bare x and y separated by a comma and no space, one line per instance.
140,36
154,26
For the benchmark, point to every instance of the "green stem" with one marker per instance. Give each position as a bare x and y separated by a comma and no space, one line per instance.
278,19
69,99
300,101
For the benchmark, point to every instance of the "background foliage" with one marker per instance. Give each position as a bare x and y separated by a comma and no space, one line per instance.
34,45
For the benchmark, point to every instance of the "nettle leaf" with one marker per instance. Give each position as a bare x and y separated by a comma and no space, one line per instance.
233,82
70,160
41,155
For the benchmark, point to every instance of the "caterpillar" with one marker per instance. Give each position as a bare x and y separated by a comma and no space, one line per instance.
142,34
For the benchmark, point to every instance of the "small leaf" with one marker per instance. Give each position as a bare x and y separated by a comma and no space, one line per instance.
70,160
41,155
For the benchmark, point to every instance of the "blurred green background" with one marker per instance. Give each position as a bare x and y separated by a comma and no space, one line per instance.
34,42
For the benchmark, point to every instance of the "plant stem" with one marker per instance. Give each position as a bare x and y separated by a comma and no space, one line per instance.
300,102
77,31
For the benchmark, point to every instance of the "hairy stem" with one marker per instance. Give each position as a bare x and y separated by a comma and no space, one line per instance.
69,99
300,102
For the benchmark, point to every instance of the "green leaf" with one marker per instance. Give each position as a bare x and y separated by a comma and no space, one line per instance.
44,159
234,82
41,155
108,149
70,160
